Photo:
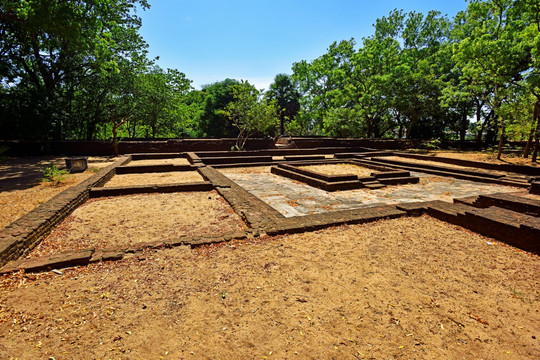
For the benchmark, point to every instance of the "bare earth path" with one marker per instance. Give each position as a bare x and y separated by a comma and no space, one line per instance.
22,189
489,157
405,288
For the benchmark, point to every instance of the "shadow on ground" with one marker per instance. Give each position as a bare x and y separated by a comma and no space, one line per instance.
24,173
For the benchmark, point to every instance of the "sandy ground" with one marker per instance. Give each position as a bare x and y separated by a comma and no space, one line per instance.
126,220
154,178
172,161
409,288
22,188
436,163
340,169
479,156
246,170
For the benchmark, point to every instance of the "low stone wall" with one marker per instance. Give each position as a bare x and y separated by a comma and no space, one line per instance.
21,236
520,169
315,142
104,148
303,142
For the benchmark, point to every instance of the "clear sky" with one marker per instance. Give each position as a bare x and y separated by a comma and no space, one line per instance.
211,40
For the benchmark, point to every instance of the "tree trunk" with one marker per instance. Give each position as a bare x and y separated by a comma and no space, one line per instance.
463,128
240,142
369,127
527,150
479,105
115,135
536,117
414,118
400,130
116,125
501,139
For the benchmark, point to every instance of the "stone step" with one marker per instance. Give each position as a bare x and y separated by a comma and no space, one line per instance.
514,228
451,212
469,200
535,187
510,201
517,229
399,180
374,186
391,174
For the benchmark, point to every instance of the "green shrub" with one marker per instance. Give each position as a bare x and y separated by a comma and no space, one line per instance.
431,145
53,174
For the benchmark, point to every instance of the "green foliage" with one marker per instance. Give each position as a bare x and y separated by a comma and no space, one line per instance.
213,121
3,150
250,113
431,145
156,98
79,69
284,91
52,174
52,51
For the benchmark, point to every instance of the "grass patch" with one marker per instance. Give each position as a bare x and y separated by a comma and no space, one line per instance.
51,173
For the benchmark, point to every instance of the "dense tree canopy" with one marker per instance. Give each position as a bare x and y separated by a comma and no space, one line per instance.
79,70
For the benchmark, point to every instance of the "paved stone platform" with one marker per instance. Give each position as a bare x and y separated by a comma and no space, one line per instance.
292,198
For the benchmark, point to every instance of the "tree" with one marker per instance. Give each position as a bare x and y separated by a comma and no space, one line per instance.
491,58
250,113
49,48
530,36
156,93
412,81
213,122
320,82
283,90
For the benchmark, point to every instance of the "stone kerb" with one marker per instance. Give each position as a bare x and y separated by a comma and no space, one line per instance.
520,169
21,236
384,176
442,171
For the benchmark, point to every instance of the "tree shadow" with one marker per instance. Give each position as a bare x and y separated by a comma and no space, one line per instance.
24,173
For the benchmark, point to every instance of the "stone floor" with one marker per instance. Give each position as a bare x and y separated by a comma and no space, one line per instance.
292,198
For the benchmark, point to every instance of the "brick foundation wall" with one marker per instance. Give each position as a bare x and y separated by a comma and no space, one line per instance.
104,148
21,236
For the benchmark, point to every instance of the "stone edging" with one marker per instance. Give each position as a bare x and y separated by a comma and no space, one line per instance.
447,172
385,176
89,256
21,236
147,189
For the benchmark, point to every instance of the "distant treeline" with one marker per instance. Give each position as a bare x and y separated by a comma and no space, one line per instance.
80,70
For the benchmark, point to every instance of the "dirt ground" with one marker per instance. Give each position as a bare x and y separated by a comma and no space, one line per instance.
409,288
22,188
126,220
340,169
479,156
451,166
172,177
172,161
246,170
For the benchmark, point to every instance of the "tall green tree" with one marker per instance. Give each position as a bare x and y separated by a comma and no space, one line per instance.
491,58
213,122
250,113
157,91
284,91
413,87
48,48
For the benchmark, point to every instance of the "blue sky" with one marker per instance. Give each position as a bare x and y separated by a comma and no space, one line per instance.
211,40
